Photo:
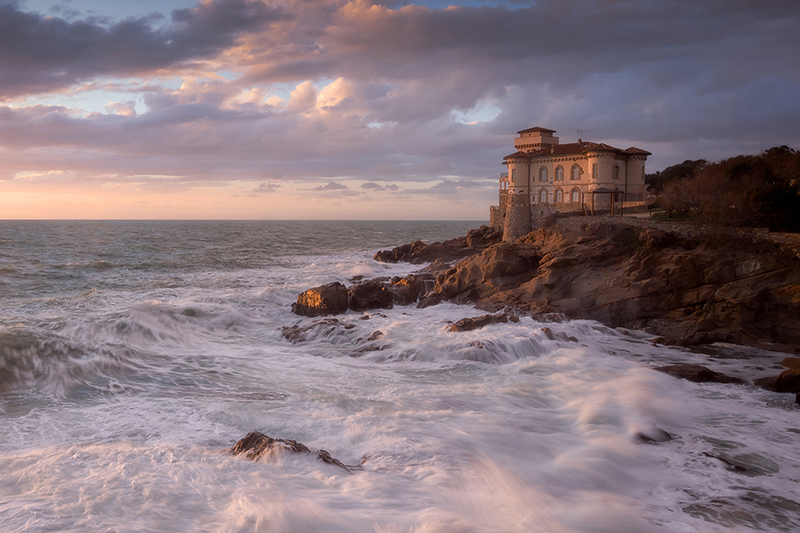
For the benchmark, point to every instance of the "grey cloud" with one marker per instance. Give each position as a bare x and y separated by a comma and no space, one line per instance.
266,188
40,54
330,186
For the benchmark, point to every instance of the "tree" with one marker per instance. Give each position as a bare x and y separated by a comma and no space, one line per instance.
762,190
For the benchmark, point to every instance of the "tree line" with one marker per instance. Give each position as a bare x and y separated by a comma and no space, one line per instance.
745,190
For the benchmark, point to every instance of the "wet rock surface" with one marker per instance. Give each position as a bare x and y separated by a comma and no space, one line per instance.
380,293
256,445
319,328
689,287
328,299
786,381
418,252
697,374
469,324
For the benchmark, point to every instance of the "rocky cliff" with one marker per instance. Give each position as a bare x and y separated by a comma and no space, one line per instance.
685,284
691,288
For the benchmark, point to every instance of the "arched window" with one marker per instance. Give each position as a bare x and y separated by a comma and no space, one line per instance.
533,198
576,172
513,175
543,174
616,172
576,195
559,196
543,196
559,173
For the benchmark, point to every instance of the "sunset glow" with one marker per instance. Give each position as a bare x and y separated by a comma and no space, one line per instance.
327,109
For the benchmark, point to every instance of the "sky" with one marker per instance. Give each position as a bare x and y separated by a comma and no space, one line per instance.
335,109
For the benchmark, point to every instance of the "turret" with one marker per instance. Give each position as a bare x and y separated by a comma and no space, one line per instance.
518,208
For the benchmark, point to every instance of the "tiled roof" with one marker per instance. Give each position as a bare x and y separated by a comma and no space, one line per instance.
537,128
634,150
576,148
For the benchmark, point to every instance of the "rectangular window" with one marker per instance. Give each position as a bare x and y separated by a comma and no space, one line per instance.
594,170
513,175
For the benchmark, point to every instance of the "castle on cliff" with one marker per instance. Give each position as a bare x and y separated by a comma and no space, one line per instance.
545,177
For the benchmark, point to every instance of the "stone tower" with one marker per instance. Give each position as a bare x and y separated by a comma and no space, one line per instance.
518,200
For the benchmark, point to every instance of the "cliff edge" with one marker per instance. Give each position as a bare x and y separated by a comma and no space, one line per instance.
688,285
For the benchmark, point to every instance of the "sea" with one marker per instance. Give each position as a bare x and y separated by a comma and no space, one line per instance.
134,354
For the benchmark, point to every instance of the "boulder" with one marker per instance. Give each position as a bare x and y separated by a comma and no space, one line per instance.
328,299
370,294
787,381
407,290
469,324
256,445
791,362
697,374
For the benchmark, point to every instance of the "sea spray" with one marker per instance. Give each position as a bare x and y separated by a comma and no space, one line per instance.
123,385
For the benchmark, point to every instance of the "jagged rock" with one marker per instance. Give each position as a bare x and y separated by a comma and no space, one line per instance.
484,236
370,294
498,267
684,285
691,287
697,374
318,328
256,445
418,252
468,324
407,290
430,299
328,299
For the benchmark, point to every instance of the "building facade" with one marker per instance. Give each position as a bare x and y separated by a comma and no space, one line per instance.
545,177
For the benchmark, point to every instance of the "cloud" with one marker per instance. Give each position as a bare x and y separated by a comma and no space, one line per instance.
347,97
42,54
330,186
303,96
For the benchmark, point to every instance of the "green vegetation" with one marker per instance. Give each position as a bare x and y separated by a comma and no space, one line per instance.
658,180
757,190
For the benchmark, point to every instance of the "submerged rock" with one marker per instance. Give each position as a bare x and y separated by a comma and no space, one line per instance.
319,328
469,324
697,374
256,445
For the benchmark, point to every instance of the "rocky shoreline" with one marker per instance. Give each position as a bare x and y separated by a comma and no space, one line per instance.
686,285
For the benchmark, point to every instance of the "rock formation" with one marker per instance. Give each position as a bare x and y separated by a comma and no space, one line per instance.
692,289
256,445
418,252
328,299
468,324
786,381
688,286
697,373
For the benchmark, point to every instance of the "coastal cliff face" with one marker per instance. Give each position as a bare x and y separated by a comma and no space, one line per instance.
687,285
691,289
